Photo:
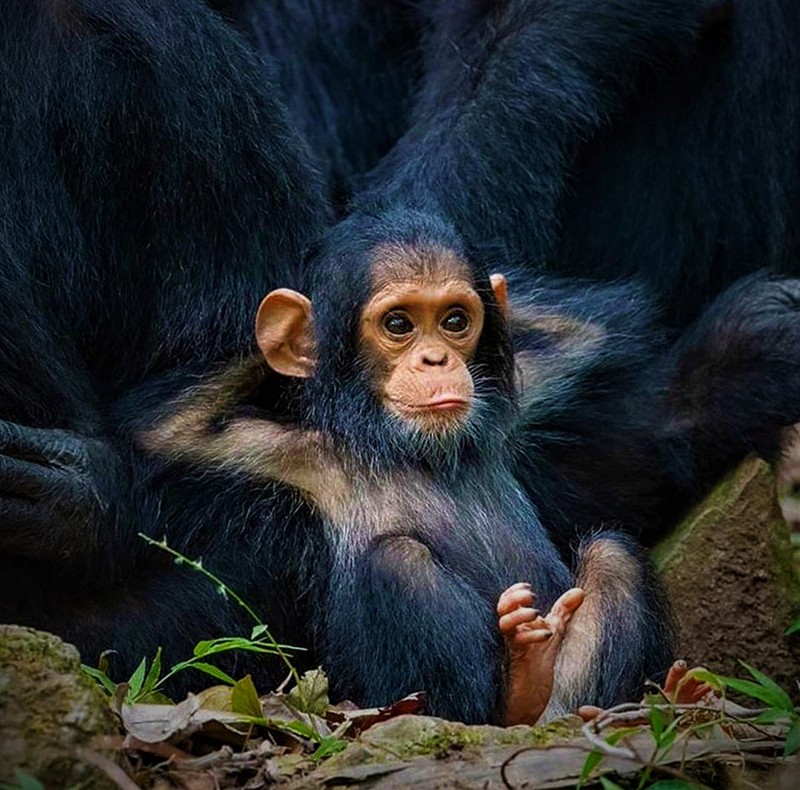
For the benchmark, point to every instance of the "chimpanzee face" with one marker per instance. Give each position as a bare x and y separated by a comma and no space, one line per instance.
417,334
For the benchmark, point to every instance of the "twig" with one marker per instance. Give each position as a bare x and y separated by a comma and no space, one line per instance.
108,767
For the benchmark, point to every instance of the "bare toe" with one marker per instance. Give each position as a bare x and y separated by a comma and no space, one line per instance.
514,598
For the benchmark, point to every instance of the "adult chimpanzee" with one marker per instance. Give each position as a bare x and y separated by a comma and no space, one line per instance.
403,388
152,187
656,138
554,136
148,175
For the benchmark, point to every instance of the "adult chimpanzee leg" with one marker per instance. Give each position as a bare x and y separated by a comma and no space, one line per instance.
152,190
616,427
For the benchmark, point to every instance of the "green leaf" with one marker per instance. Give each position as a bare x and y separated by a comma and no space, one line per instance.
792,739
154,675
673,784
299,728
591,762
211,646
24,782
657,722
102,662
715,681
608,784
771,716
154,698
667,739
328,746
310,695
244,698
757,691
136,681
104,680
262,630
770,684
215,672
204,648
793,628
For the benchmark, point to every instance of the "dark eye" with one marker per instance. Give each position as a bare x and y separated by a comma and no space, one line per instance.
397,324
455,322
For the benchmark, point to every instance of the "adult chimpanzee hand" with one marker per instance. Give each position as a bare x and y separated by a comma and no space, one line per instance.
56,491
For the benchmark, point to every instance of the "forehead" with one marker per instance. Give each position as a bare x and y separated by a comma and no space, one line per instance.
429,264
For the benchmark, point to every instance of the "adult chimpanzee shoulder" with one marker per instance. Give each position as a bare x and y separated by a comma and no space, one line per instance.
150,180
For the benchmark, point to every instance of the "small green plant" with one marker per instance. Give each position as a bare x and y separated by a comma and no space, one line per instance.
146,683
24,782
665,721
764,689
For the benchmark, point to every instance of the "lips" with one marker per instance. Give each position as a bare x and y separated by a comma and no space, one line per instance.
445,404
441,404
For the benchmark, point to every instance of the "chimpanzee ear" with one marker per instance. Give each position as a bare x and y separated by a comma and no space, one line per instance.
285,333
500,288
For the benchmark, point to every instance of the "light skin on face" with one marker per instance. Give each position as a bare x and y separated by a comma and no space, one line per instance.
420,334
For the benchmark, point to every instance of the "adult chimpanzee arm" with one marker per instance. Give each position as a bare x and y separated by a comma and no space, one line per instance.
152,190
511,90
734,378
62,495
616,428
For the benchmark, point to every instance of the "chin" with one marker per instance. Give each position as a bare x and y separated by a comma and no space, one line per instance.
435,437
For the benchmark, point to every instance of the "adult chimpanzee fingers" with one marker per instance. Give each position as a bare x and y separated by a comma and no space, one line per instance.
677,672
16,513
28,479
589,712
514,598
519,616
22,440
45,445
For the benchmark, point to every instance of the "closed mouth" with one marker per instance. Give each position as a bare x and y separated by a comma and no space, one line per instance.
446,403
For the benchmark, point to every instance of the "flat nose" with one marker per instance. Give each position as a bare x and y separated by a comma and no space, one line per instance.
434,355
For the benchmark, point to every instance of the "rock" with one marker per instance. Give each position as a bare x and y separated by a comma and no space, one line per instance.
787,473
48,709
730,578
